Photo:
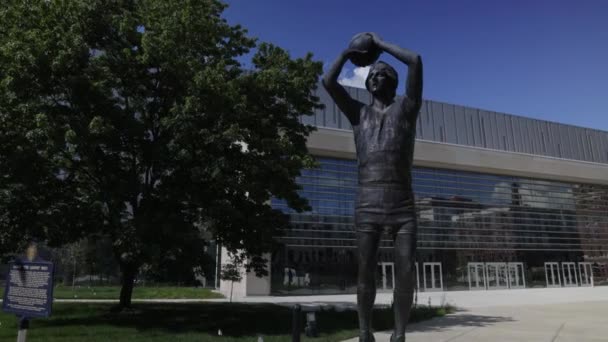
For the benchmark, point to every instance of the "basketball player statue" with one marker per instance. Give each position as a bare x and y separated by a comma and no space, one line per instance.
384,133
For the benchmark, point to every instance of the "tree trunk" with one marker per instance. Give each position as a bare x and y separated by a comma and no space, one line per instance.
74,276
126,290
231,286
67,276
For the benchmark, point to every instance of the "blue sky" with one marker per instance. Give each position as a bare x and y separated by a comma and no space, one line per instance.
543,59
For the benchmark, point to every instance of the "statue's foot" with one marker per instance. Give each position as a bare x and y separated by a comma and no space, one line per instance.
397,338
366,336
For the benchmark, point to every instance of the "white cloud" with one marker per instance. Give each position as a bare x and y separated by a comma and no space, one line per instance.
356,78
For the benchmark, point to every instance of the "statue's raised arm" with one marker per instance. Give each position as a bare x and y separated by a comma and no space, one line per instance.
349,106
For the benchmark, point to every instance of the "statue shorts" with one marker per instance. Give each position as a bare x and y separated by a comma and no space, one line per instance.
385,206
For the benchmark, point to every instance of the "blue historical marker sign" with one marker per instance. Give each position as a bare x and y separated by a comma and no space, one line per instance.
29,289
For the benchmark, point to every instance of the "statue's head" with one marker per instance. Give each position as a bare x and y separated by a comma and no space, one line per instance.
382,80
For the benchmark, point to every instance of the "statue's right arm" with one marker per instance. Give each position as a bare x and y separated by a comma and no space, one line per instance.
349,106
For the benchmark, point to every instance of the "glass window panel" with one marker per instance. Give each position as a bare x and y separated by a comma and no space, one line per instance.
477,216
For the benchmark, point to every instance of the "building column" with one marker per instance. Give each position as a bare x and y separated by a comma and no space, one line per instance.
250,284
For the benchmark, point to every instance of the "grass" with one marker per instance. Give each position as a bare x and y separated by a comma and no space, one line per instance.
72,322
112,292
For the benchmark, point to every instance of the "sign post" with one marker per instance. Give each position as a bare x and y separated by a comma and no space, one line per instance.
29,291
24,324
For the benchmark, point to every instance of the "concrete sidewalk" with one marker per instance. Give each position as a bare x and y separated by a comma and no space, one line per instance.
571,322
462,299
459,299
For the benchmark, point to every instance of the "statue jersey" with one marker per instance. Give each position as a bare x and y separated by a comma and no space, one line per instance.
384,143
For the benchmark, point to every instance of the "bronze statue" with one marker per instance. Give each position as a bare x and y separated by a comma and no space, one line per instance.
384,133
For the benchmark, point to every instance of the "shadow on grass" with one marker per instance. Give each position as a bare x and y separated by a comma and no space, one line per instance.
233,319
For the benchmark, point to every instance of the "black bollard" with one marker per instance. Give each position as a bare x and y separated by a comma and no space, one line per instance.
311,329
295,323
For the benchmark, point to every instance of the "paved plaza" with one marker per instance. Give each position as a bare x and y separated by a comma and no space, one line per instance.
543,315
571,322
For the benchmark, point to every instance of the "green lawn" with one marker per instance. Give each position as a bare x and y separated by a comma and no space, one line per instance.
189,322
112,292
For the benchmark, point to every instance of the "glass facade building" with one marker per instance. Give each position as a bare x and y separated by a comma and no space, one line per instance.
502,201
490,228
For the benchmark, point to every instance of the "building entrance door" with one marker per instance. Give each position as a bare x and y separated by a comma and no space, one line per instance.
432,276
569,274
585,273
387,275
496,275
552,274
477,276
517,276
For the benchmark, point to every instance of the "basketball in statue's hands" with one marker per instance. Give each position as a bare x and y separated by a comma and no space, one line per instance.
365,52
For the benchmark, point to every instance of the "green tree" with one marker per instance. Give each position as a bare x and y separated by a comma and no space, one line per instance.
231,272
139,120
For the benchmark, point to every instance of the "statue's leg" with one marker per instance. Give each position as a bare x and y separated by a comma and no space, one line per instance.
368,239
405,252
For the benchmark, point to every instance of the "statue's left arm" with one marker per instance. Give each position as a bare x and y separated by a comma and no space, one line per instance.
413,87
